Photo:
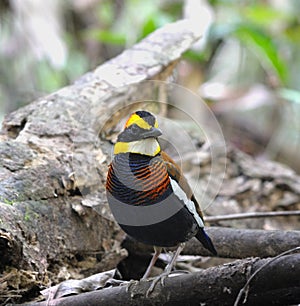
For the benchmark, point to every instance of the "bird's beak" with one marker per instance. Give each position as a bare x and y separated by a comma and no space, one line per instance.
153,132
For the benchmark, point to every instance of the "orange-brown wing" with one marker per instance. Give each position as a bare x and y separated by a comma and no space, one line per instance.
176,174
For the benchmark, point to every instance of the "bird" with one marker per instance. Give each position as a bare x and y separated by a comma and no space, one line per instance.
148,194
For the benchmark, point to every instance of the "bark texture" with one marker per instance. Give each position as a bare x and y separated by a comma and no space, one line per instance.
214,286
234,243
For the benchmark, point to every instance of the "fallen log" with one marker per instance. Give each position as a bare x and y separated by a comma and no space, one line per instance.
233,243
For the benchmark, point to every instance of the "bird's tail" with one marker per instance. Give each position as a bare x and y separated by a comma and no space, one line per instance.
206,241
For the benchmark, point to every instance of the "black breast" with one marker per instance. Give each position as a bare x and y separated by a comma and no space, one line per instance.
143,203
136,179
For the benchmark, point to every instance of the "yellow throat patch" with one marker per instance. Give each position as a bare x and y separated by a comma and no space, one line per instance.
148,146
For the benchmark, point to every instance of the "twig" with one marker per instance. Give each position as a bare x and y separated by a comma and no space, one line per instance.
252,215
246,286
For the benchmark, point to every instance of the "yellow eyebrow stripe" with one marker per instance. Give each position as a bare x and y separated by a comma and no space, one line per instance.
136,119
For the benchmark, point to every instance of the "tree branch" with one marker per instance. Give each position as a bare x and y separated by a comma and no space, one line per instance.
276,284
234,243
249,215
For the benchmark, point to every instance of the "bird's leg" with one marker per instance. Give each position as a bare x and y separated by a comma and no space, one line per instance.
167,270
171,264
157,251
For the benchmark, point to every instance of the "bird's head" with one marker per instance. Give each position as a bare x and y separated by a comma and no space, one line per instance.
139,135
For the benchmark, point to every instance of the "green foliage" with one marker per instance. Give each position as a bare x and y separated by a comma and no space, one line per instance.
107,37
257,27
264,46
106,13
265,15
195,56
77,64
48,79
149,26
260,28
129,26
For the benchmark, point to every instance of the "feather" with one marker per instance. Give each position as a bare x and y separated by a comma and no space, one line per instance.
149,147
206,241
176,174
188,203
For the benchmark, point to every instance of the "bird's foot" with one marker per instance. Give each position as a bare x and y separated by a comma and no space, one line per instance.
160,278
129,284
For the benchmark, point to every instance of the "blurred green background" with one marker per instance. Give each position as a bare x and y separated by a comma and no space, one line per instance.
246,66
